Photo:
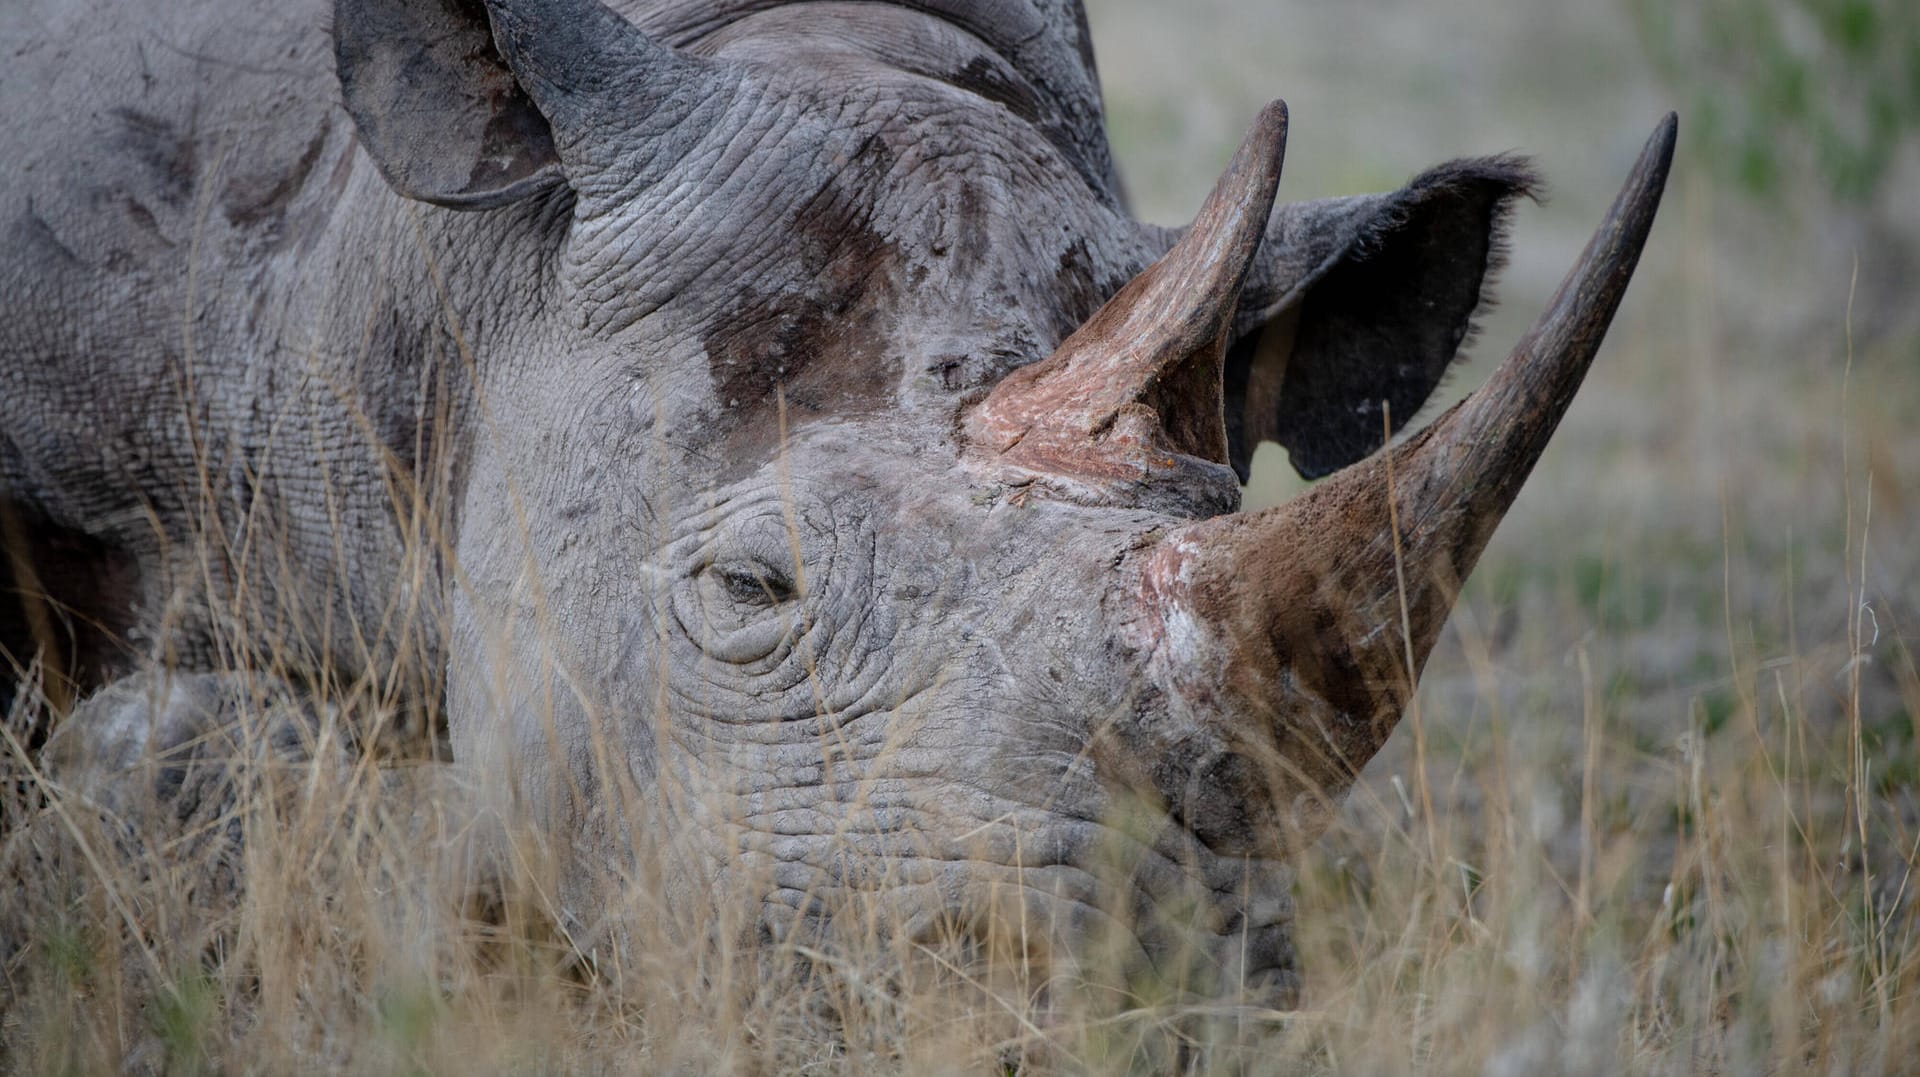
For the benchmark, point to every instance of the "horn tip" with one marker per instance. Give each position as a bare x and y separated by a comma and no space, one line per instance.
1658,155
1270,128
1265,145
1639,198
1273,115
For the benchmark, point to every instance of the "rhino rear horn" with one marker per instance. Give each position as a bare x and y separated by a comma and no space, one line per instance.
473,107
1137,388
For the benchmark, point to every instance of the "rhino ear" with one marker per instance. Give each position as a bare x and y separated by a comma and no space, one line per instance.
438,109
1361,300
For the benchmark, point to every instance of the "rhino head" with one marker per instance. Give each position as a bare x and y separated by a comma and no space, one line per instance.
849,488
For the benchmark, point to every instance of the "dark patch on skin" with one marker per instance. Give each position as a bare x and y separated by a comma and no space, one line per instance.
821,346
305,226
1179,767
167,153
414,437
982,367
31,230
251,201
992,79
1077,289
972,226
144,219
965,232
777,345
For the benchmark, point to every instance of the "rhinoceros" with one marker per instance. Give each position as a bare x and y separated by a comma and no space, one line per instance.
757,423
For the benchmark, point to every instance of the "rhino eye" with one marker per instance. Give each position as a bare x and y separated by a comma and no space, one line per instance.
739,609
753,583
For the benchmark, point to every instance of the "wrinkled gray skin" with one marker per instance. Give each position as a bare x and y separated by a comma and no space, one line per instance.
259,397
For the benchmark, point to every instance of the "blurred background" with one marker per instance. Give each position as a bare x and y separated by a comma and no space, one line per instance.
1801,118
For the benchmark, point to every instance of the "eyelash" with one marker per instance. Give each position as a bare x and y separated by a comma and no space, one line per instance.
755,584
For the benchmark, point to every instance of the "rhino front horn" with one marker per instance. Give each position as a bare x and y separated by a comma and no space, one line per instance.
1313,619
